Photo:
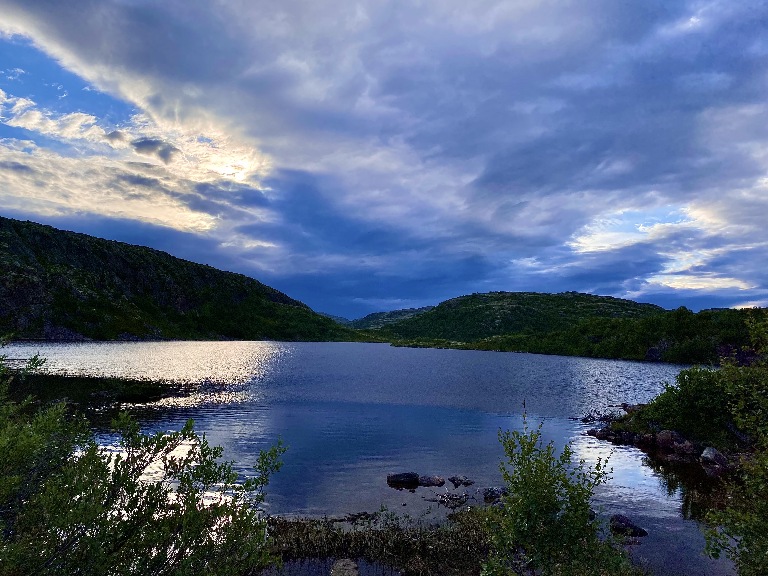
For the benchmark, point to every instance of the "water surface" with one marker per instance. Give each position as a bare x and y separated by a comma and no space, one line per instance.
351,413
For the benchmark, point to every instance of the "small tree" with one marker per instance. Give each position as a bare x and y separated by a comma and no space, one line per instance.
544,524
67,507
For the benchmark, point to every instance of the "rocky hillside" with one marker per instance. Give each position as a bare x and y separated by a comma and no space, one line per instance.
381,319
479,316
63,285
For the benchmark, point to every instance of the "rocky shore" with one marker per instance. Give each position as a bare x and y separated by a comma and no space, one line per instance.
667,446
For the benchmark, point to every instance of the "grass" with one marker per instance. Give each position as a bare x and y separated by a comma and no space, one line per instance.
416,547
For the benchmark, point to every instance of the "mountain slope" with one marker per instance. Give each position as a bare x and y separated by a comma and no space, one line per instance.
477,316
64,285
381,319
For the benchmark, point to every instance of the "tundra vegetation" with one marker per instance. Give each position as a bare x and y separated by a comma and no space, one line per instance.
69,507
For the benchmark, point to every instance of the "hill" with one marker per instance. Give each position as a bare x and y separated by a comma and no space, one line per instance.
574,324
62,285
381,319
478,316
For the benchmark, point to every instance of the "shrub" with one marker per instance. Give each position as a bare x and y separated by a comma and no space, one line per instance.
545,524
67,507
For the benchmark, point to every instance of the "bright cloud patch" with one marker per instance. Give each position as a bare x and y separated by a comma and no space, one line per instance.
627,227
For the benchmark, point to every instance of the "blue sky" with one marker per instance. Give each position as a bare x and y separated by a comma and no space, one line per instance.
366,156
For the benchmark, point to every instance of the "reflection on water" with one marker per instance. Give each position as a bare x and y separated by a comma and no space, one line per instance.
352,413
211,363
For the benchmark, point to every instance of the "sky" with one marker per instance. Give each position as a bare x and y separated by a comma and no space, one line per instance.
368,156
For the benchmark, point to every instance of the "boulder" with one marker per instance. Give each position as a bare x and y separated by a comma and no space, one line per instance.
493,494
715,464
674,458
645,441
667,439
460,481
623,526
713,456
431,481
403,480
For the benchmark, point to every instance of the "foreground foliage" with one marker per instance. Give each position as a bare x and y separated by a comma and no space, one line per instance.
726,408
545,524
457,547
742,531
67,507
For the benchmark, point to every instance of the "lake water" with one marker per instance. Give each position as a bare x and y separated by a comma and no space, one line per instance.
351,413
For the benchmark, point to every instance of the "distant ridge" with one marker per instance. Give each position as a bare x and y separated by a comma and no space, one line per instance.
381,319
477,316
60,285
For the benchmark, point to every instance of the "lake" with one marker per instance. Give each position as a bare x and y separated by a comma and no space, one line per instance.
350,413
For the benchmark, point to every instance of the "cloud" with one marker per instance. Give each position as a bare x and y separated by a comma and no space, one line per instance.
526,145
153,147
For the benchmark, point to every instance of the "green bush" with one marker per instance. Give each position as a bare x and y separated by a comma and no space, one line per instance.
740,531
696,405
545,524
67,507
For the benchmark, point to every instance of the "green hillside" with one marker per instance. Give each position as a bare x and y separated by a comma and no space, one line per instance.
576,324
64,285
679,336
381,319
478,316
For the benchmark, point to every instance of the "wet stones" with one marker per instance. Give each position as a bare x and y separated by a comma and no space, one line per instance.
669,447
460,481
429,481
413,480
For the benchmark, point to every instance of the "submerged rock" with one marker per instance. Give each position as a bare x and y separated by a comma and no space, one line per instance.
403,480
623,526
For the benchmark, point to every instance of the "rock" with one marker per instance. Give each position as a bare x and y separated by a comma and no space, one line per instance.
629,408
600,433
431,481
403,480
344,567
460,481
674,458
452,500
493,494
715,464
666,440
713,456
623,526
645,441
686,448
